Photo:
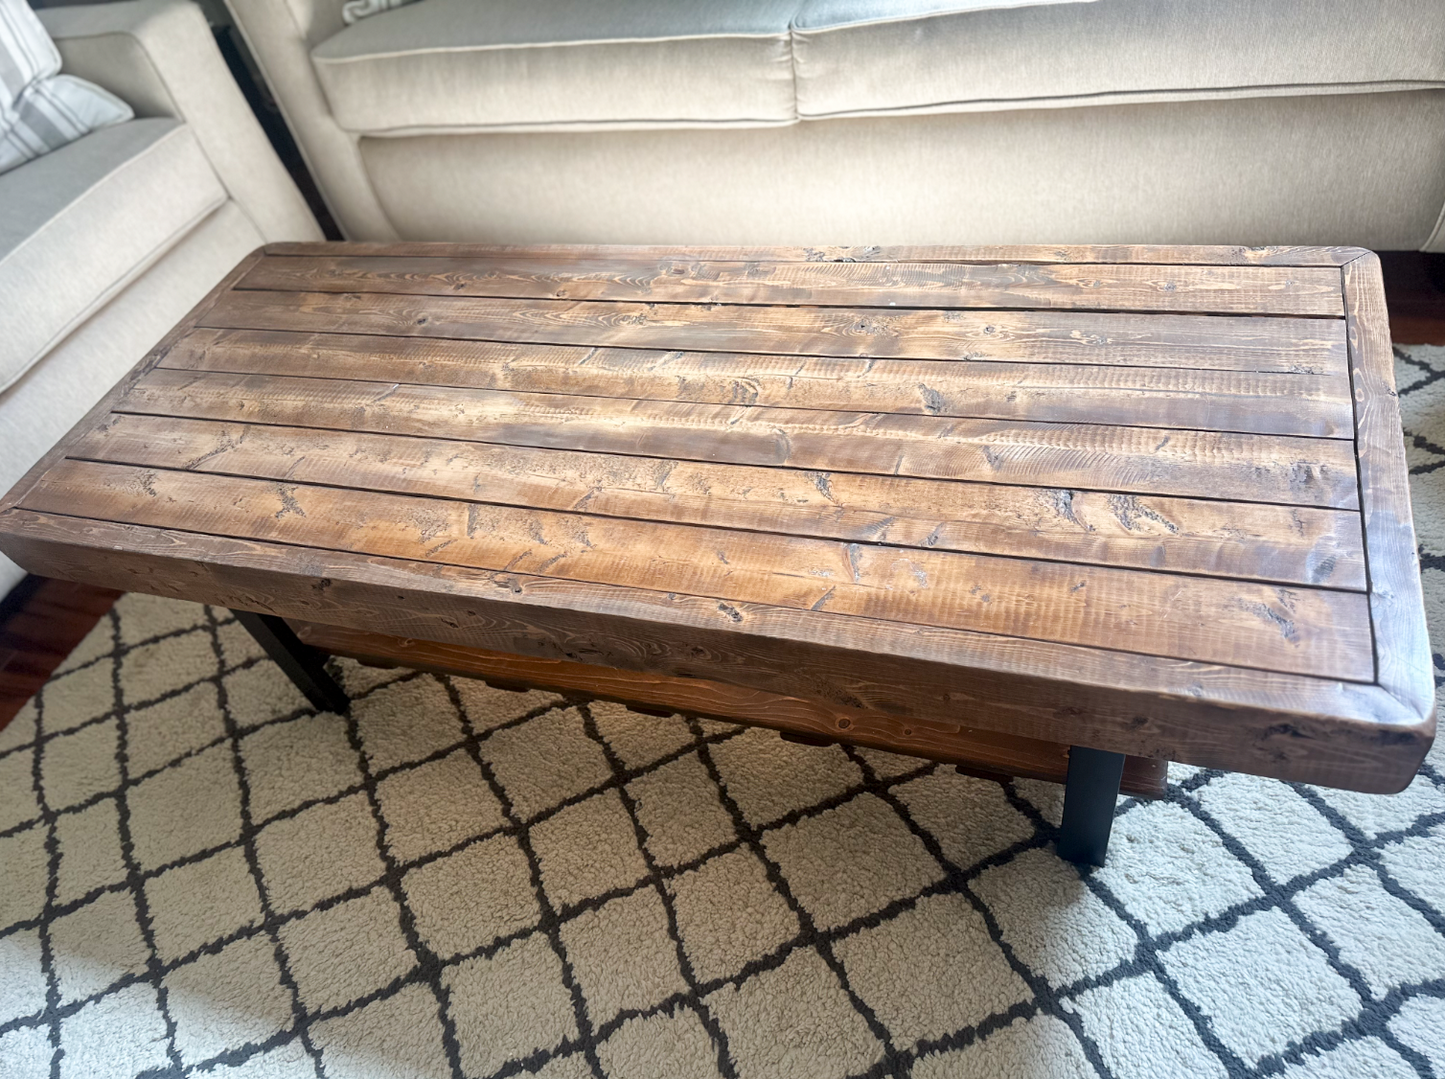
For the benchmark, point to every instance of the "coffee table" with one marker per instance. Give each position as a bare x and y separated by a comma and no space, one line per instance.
1059,512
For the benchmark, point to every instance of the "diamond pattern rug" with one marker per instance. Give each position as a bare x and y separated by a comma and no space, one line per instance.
201,876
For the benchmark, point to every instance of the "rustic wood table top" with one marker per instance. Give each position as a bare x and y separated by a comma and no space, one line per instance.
1147,500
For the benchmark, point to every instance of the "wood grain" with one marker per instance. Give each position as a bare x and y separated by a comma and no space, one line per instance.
1213,400
1304,729
1254,290
1303,631
1401,640
1299,346
1121,509
1283,544
1134,460
972,749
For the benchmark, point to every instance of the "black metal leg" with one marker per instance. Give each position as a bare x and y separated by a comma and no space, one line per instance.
1089,796
302,663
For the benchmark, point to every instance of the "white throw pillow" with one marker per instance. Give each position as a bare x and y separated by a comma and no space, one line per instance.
40,109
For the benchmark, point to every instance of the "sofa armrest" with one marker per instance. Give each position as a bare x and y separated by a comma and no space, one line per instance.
281,35
160,58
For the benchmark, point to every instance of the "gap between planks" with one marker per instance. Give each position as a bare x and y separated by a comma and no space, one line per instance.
1246,541
1329,685
1295,630
1278,403
1050,336
1283,470
781,468
1399,631
1299,292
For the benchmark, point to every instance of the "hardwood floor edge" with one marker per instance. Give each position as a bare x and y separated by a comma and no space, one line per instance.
42,620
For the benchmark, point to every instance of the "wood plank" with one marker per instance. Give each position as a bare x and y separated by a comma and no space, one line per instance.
1136,460
1181,254
1253,290
1273,403
972,749
1288,545
1302,631
1401,640
1300,346
1303,729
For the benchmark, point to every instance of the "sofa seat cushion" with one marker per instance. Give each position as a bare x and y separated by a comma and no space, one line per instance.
80,223
858,57
447,65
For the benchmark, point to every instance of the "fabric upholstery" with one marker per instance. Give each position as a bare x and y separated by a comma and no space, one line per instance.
314,20
851,60
49,398
567,185
26,52
857,12
456,64
161,58
78,223
355,10
1361,169
280,35
40,109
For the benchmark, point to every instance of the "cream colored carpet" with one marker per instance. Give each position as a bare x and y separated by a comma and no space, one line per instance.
200,876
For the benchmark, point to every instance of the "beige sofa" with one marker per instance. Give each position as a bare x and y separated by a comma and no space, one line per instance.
107,242
869,121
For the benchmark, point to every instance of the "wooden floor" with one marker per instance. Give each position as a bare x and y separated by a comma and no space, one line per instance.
42,621
1415,292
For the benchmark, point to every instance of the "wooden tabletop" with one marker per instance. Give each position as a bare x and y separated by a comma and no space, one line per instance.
1151,500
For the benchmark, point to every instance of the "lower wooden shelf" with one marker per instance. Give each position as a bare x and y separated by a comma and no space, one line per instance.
990,754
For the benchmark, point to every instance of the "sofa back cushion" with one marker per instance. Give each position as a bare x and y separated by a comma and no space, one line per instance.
862,57
40,109
509,64
449,66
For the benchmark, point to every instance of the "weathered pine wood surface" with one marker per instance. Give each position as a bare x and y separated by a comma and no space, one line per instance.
1149,500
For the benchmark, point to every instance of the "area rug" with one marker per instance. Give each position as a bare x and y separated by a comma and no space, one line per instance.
201,876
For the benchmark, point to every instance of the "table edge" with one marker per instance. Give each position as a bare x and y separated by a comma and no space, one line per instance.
1298,729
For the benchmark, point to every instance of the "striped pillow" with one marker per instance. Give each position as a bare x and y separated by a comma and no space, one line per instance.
40,109
356,10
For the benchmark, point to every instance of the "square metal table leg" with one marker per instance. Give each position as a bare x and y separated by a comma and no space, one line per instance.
1090,792
303,664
